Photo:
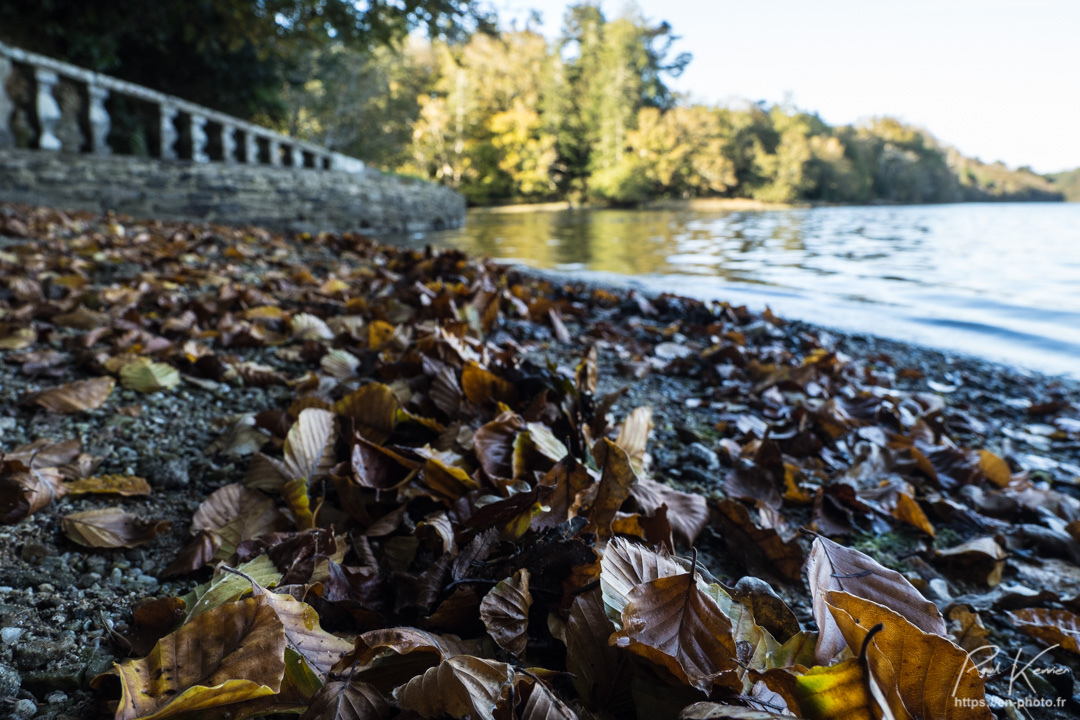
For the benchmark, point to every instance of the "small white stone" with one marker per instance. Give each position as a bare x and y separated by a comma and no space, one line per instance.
11,635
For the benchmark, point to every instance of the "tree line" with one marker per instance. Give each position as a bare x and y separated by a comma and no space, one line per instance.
507,115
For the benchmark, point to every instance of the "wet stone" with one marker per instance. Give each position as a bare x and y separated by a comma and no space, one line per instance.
10,681
701,456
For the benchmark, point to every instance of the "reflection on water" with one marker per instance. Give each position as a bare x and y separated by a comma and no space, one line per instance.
994,280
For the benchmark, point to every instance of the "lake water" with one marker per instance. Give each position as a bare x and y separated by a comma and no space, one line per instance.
1000,281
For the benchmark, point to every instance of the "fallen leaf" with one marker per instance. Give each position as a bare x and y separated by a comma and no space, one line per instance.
146,376
980,560
462,686
1050,627
347,700
601,672
505,612
77,396
625,565
670,622
921,674
228,655
110,528
125,485
23,493
834,567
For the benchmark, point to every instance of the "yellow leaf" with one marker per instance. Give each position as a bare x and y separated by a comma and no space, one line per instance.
146,376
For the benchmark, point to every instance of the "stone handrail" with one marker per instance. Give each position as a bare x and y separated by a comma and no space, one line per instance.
208,135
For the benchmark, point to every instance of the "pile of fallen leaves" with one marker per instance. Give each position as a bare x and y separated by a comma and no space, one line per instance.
438,526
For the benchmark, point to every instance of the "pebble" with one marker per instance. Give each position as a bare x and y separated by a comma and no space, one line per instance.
10,681
702,456
23,709
11,635
940,590
57,697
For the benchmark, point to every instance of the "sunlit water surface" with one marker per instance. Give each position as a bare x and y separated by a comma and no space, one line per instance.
1000,281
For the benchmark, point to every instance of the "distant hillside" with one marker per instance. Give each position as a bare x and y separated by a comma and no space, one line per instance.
980,181
1067,183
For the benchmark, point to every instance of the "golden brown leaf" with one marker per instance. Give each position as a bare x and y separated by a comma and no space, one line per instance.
300,622
921,674
236,513
77,396
228,655
995,468
483,386
968,631
836,692
834,567
373,408
505,612
616,478
125,485
110,528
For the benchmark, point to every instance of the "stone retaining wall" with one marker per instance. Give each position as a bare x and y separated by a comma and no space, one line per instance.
280,198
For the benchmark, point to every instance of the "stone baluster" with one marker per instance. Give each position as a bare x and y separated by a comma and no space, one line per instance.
275,151
199,139
48,110
228,143
7,107
168,132
251,148
100,122
297,156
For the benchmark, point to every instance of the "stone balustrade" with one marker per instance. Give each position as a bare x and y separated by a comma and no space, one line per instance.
34,115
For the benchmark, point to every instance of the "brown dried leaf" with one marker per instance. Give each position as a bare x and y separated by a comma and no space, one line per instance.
980,560
505,612
309,447
24,493
1050,627
601,672
110,528
688,513
626,565
77,396
672,623
320,649
834,567
761,549
616,478
461,686
347,700
493,444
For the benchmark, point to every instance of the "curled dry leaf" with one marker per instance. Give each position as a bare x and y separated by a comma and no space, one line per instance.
462,687
77,396
505,612
320,650
125,485
761,549
834,567
23,493
483,386
716,711
616,478
306,326
980,560
147,376
236,513
110,528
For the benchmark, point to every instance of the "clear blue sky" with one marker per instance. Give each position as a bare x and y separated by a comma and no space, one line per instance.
998,79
